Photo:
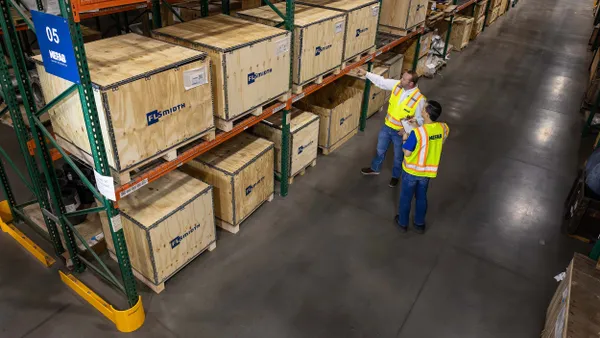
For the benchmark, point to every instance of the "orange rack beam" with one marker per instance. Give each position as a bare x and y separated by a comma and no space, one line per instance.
465,5
162,169
80,6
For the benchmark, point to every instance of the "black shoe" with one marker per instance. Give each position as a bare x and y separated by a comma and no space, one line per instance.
419,229
401,228
393,182
369,171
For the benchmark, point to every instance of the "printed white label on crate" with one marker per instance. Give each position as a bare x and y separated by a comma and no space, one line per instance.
116,223
375,10
282,47
134,188
560,323
105,185
339,27
193,78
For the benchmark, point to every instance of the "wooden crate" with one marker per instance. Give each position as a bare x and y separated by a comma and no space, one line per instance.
318,40
461,30
492,15
495,3
148,103
573,311
304,139
479,9
393,62
166,224
339,109
377,97
241,172
361,23
408,49
402,14
503,7
251,62
477,27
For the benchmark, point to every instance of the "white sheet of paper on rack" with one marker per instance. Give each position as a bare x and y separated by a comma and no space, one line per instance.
407,126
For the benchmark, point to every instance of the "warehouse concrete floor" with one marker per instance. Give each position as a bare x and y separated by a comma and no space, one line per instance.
327,261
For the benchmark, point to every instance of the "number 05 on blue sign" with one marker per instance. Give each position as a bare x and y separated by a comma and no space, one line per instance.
56,47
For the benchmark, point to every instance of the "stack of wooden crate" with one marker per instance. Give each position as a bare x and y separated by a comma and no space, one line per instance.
153,98
574,309
250,62
503,7
318,40
479,18
399,17
377,97
493,11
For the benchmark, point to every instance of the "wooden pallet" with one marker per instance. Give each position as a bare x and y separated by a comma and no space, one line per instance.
302,171
357,58
297,89
234,229
129,173
227,125
342,141
160,287
400,32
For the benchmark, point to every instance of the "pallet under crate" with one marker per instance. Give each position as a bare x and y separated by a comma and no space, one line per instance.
166,224
304,139
241,172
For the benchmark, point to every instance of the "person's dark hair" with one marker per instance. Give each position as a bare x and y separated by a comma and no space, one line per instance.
413,76
434,109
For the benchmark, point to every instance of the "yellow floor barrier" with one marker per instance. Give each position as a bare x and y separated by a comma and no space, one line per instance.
29,245
126,321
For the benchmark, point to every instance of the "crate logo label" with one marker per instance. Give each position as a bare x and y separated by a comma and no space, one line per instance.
321,49
253,76
301,148
177,240
344,119
251,187
155,115
360,31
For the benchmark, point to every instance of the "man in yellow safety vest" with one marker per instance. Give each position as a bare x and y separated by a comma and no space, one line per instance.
406,103
422,153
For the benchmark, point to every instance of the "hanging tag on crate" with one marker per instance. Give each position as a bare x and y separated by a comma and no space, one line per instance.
193,78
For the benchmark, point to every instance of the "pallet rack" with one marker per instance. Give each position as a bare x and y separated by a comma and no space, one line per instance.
36,139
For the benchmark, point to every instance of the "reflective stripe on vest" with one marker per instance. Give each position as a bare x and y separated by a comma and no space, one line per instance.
399,110
425,159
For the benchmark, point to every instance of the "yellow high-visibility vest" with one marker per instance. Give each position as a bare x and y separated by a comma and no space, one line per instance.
425,159
398,110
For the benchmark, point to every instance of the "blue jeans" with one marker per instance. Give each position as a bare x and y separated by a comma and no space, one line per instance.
413,186
386,136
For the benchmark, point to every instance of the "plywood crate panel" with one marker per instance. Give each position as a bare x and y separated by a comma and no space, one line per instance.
477,27
166,224
241,172
495,3
574,311
318,38
304,139
377,97
492,15
403,14
503,7
361,23
339,109
421,65
479,9
145,105
251,62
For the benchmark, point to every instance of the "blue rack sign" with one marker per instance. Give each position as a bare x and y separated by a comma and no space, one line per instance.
56,46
